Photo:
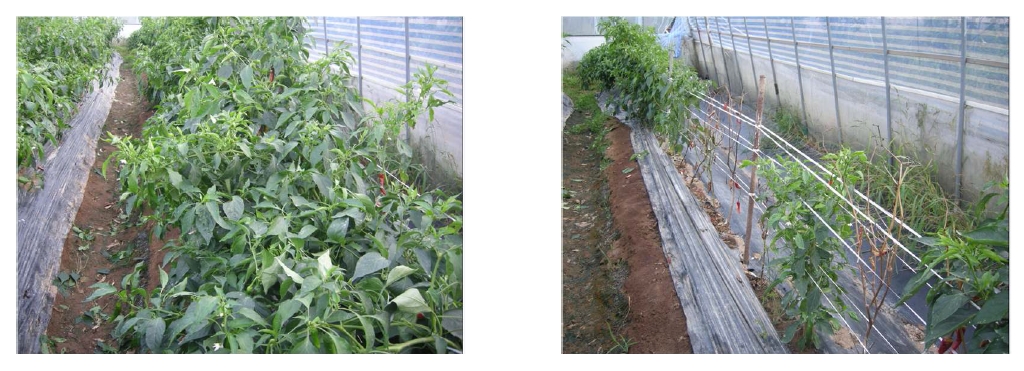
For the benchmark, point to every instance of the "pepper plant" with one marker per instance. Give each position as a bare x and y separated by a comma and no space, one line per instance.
813,255
974,271
300,230
58,60
633,64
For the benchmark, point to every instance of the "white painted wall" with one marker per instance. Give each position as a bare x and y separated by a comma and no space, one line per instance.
574,47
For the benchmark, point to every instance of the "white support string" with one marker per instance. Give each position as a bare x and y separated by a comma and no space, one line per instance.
836,234
857,308
769,133
841,318
744,118
746,187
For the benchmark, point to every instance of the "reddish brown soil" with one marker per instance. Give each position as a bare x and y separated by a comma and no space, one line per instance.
156,257
656,319
113,232
615,277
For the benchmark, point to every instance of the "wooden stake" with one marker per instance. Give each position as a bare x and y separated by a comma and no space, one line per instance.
753,171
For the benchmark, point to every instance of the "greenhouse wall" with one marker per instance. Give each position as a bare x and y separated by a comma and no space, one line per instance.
924,67
580,34
387,52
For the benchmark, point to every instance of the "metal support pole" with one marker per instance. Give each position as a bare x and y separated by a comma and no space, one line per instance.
735,53
700,45
888,94
960,116
359,55
750,51
771,60
835,85
721,46
753,171
799,75
711,47
326,50
408,78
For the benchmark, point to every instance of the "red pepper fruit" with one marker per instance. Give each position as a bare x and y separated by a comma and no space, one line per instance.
956,344
944,345
419,315
958,338
271,74
380,178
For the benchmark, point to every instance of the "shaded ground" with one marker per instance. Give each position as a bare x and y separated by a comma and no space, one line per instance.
593,306
616,293
107,243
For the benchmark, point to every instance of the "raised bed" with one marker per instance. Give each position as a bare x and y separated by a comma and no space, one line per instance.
45,215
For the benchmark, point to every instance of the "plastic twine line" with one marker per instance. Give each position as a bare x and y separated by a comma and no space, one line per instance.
762,208
747,119
880,227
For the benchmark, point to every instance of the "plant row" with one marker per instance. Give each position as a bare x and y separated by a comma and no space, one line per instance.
58,61
815,226
632,63
302,227
971,255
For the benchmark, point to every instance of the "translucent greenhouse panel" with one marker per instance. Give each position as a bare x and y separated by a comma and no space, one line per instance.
933,35
988,40
383,49
988,85
861,65
719,31
862,114
754,27
778,29
316,37
438,41
340,31
937,76
580,26
857,32
810,29
380,45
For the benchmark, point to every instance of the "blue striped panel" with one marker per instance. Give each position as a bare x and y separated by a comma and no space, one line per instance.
987,38
437,38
